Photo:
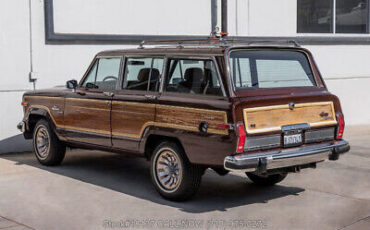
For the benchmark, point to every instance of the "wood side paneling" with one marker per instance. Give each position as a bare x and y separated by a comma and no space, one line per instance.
190,118
87,115
47,103
129,118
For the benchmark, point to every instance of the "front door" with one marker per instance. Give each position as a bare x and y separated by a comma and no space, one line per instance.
87,116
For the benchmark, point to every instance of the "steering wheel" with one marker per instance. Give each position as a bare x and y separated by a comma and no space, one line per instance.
110,78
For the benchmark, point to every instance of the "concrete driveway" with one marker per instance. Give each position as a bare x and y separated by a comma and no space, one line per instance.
95,190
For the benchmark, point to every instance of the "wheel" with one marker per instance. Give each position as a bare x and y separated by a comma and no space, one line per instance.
267,180
47,147
173,176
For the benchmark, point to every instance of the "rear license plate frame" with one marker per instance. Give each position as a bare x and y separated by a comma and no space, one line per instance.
291,139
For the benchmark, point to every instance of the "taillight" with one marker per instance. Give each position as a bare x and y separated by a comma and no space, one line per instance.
241,137
340,127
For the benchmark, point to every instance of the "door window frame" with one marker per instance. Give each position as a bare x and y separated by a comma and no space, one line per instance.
124,66
201,58
91,66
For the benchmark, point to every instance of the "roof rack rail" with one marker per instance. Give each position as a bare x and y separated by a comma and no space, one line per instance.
183,42
214,41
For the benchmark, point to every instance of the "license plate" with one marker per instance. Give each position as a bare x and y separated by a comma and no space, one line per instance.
292,140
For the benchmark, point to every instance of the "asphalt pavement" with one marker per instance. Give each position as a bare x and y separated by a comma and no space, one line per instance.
97,190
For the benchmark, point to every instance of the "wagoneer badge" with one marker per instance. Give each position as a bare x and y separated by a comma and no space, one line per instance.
291,106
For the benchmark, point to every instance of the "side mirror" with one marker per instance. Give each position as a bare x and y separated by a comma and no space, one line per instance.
72,84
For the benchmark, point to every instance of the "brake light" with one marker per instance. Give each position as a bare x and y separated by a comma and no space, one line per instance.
241,137
223,126
340,127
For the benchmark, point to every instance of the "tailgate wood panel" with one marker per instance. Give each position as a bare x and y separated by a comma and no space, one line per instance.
272,118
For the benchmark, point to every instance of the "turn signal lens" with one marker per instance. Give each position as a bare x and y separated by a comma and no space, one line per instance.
241,137
340,128
24,104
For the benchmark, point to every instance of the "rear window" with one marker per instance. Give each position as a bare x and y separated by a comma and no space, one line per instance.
256,69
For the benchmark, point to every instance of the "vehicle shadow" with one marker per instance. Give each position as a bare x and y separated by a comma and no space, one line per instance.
131,176
15,144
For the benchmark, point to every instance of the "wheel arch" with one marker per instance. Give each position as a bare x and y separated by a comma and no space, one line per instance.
34,115
153,140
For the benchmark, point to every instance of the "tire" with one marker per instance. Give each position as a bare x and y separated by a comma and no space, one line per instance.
48,149
268,180
182,181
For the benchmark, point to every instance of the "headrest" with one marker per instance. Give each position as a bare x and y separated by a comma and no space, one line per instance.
144,74
194,75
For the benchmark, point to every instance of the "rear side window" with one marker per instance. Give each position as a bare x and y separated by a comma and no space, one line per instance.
270,69
143,73
193,77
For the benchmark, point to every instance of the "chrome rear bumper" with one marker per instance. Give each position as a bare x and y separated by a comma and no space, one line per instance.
262,162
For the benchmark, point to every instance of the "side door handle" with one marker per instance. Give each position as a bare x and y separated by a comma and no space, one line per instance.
81,93
151,97
108,94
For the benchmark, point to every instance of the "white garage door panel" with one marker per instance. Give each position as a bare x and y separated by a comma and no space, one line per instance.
157,17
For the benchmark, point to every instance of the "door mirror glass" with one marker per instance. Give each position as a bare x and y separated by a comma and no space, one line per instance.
72,84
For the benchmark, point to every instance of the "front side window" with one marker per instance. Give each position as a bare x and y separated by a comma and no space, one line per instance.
143,73
104,74
318,16
270,69
193,77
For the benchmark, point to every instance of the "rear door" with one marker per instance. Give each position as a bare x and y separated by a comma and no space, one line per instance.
194,108
133,106
88,109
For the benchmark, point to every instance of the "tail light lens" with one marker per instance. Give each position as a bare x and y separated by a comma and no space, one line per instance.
241,137
340,128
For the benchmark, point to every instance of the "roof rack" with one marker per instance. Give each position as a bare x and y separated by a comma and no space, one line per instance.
186,42
214,41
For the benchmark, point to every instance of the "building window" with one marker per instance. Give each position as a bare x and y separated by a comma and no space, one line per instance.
333,16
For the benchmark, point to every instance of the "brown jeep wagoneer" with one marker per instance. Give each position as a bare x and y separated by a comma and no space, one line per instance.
188,106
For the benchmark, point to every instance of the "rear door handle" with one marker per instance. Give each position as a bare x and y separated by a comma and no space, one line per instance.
108,94
81,93
151,97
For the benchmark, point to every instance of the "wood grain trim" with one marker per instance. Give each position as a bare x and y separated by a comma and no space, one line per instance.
146,125
73,128
44,97
166,125
180,108
88,99
45,108
276,107
139,104
266,108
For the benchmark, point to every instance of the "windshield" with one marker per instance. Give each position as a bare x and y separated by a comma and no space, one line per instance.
256,69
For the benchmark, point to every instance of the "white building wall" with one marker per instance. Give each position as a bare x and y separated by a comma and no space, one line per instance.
14,63
344,67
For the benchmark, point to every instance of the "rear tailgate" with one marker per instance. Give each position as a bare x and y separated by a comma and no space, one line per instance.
266,118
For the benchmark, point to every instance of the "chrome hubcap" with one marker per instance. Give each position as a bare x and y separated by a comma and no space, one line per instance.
42,142
168,170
